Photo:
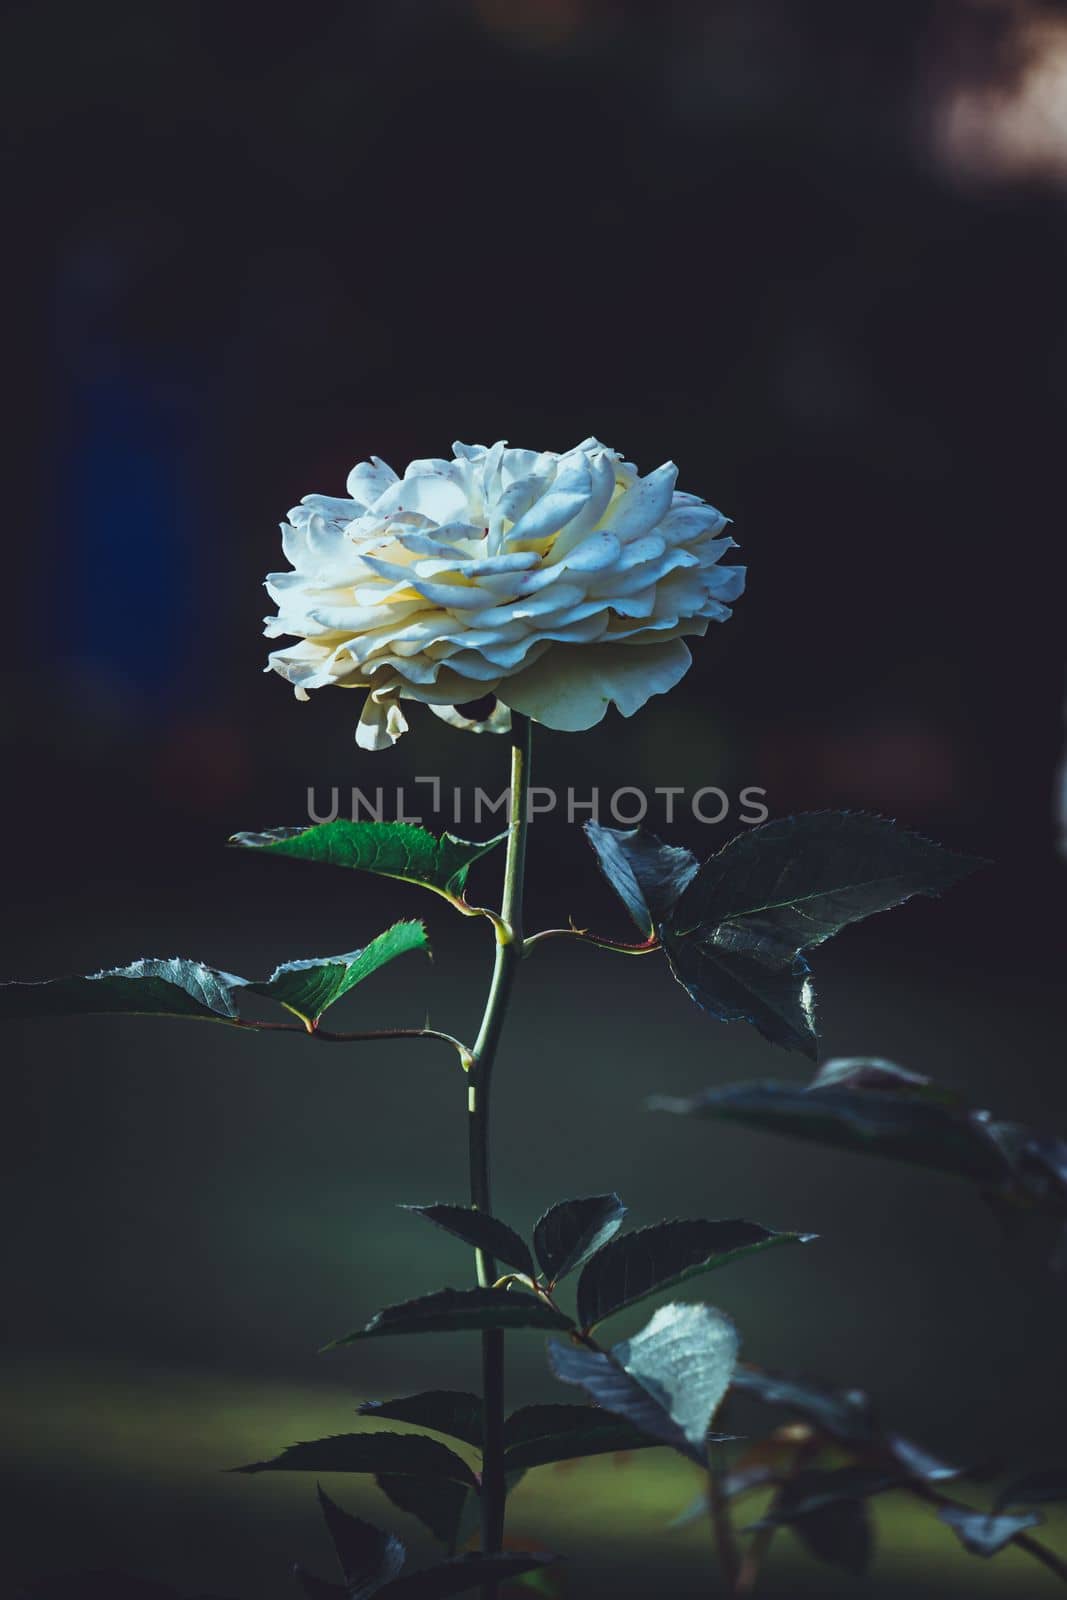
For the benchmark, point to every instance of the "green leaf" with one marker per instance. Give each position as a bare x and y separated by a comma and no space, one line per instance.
438,1504
632,1267
457,1310
150,987
483,1232
444,1410
896,1119
464,1572
736,935
368,1557
395,1454
668,1380
647,876
986,1534
390,849
572,1231
308,988
535,1436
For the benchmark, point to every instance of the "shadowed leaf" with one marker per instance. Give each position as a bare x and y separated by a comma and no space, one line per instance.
483,1232
572,1231
632,1267
457,1310
438,1504
390,849
845,1413
463,1573
736,935
906,1121
445,1410
647,876
838,1533
813,1491
668,1380
537,1435
394,1454
1033,1488
368,1558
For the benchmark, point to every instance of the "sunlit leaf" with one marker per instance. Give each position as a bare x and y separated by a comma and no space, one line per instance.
390,849
459,1310
171,987
308,988
668,1380
480,1230
636,1265
572,1231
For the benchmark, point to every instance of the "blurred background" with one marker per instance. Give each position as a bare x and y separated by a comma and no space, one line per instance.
816,255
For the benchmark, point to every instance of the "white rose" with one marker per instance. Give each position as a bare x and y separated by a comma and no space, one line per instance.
560,583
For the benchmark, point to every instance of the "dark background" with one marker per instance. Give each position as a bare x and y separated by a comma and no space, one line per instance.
816,255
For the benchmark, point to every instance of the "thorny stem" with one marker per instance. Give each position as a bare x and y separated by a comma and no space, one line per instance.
509,951
645,948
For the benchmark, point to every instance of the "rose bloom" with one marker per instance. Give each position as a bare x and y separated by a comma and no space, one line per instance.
561,584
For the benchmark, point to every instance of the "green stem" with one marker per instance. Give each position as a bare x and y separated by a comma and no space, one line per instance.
505,965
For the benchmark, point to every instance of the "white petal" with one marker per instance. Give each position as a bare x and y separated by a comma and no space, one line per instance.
571,687
368,480
498,720
644,504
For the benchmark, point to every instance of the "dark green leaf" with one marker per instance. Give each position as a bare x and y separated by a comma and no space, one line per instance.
908,1125
839,1533
985,1535
368,1557
150,987
734,987
317,1588
537,1435
813,1490
463,1573
572,1231
636,1265
438,1504
668,1380
483,1232
646,875
394,1454
734,938
1034,1488
457,1310
844,1413
308,988
444,1410
390,849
